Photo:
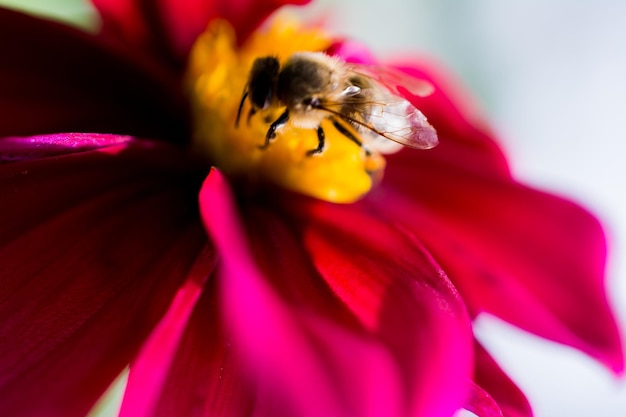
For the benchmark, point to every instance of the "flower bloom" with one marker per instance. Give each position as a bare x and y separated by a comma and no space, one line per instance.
235,297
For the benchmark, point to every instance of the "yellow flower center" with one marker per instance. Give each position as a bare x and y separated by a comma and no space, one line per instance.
216,79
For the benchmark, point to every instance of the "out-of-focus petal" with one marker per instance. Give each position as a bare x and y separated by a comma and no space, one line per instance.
489,376
528,257
139,24
351,51
26,148
54,78
126,21
465,141
304,332
148,372
205,378
93,245
168,28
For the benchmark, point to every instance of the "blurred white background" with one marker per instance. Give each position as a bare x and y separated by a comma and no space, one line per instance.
551,76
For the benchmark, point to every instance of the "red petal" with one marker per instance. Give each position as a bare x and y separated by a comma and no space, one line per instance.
92,248
531,258
489,376
465,141
170,27
392,284
305,350
57,79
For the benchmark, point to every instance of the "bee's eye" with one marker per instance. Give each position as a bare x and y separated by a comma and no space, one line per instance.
262,81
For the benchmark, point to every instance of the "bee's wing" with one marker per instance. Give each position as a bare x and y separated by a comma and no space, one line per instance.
392,78
389,115
396,119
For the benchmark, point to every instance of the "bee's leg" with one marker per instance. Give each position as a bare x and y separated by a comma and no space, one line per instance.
321,140
277,124
344,131
243,100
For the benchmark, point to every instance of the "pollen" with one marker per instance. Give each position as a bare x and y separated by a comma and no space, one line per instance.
216,79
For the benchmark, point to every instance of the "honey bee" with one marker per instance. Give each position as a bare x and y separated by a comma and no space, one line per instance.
313,86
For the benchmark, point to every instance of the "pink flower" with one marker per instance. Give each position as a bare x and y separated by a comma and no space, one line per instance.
123,247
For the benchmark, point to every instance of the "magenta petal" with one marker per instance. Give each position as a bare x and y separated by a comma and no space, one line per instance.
481,403
351,51
299,362
305,351
265,333
205,378
149,370
489,376
15,149
58,79
88,267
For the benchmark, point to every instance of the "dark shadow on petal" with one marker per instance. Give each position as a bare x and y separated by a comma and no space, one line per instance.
54,78
94,246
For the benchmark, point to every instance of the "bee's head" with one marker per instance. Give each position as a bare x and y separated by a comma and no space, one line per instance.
262,81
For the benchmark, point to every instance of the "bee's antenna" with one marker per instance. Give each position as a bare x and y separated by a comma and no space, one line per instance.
243,100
